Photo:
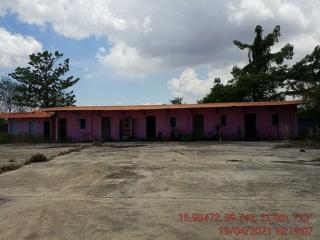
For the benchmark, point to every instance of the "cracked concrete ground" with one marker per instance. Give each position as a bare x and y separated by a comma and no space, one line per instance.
140,191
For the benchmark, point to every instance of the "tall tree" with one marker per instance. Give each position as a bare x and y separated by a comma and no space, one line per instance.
41,84
8,91
262,77
305,80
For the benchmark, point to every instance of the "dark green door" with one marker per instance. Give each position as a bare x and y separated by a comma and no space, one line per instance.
250,125
151,127
106,129
62,129
46,129
198,127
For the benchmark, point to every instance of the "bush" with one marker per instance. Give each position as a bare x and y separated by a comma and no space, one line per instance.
314,134
5,138
186,137
37,158
9,167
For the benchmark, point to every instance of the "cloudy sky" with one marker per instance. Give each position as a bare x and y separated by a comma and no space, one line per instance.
142,51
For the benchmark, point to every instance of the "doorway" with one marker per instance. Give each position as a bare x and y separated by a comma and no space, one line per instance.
62,129
46,129
151,127
250,126
126,129
105,128
198,127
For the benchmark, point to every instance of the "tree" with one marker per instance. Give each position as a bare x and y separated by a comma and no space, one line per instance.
221,93
41,83
305,80
177,100
262,77
8,91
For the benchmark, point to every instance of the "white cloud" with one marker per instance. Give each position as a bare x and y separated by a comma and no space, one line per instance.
168,34
304,43
260,10
189,86
77,19
249,8
147,24
128,61
15,48
154,103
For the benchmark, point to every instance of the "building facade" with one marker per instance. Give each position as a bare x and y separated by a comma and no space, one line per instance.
226,121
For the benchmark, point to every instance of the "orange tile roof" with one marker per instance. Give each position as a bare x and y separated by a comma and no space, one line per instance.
48,112
174,106
35,114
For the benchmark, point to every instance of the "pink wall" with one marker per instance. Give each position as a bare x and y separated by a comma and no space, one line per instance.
21,126
235,122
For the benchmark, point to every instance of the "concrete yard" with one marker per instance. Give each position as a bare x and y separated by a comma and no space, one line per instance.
18,153
231,190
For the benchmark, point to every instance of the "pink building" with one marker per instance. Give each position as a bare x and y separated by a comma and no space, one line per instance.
228,121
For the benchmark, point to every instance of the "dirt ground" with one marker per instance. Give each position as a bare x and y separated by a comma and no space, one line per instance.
167,191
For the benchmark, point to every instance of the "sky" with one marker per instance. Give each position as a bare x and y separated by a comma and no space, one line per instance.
148,52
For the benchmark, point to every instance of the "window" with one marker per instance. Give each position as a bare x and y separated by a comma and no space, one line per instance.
223,120
173,122
275,119
83,124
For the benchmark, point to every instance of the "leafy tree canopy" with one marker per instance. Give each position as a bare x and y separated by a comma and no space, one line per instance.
8,91
41,83
177,100
261,78
304,80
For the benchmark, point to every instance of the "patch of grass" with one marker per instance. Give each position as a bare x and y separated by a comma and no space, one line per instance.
97,144
75,149
314,162
38,158
316,158
308,144
185,138
13,166
124,145
9,167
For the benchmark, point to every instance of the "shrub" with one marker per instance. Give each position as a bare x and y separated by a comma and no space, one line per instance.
314,134
97,144
186,137
5,138
37,158
9,167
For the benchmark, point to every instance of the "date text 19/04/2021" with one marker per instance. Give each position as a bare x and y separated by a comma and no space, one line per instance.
252,224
